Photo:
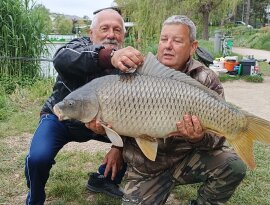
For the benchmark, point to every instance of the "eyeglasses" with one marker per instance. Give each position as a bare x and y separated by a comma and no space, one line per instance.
112,7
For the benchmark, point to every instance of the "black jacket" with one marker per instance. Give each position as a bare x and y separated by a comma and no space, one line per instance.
77,63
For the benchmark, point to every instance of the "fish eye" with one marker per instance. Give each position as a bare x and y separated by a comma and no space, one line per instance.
70,103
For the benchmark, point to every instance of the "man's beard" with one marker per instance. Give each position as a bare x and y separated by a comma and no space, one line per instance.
112,42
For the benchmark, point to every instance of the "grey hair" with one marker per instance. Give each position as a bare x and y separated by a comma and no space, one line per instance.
95,19
181,19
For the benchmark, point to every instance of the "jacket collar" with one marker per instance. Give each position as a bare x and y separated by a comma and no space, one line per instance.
191,65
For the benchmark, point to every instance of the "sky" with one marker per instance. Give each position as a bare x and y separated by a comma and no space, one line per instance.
75,7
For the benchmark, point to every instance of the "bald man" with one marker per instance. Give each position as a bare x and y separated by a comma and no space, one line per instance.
77,63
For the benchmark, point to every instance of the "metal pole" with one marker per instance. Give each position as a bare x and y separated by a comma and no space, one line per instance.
217,42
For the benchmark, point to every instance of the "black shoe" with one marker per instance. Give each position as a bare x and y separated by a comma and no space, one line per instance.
98,183
193,202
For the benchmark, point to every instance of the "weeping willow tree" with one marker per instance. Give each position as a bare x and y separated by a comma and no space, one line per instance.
20,36
204,10
148,16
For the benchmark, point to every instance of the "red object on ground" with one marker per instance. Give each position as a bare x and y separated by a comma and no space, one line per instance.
229,65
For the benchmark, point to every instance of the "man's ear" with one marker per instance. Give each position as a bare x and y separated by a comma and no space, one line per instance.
194,47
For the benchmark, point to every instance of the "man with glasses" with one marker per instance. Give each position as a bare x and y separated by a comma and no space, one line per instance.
77,63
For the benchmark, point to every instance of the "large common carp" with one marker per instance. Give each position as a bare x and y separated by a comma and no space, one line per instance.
147,104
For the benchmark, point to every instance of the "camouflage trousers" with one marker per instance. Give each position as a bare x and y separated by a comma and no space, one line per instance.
220,172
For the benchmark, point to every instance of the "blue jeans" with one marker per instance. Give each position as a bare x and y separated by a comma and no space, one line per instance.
50,136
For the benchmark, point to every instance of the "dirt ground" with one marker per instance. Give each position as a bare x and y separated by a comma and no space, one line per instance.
256,53
251,97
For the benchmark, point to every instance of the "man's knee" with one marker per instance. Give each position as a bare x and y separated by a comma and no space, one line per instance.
230,175
229,166
238,169
38,161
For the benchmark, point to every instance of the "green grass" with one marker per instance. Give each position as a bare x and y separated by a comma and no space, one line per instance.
21,105
249,78
69,177
66,184
264,68
250,38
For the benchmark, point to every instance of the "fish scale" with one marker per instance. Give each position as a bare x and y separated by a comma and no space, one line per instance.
127,104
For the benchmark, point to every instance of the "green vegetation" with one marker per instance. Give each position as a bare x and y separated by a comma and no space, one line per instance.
21,101
264,68
63,25
250,38
248,78
148,23
20,35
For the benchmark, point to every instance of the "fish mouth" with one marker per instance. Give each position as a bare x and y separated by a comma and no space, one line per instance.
58,112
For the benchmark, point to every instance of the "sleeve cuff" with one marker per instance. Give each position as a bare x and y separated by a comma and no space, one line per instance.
105,58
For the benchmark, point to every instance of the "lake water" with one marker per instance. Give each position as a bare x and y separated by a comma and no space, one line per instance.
47,68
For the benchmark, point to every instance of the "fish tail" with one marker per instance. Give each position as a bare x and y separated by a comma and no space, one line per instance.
257,129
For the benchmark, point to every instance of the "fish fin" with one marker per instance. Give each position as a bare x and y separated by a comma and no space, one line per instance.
152,67
148,147
257,129
113,136
244,148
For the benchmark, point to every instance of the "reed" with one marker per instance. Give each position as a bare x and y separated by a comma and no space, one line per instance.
20,36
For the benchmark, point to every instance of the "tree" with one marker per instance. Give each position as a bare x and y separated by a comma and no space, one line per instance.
252,12
63,25
247,12
149,14
43,14
259,12
86,20
204,9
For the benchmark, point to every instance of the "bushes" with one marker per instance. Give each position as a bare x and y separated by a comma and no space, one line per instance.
9,83
251,38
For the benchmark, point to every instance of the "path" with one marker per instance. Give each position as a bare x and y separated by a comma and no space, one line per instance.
251,97
258,54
